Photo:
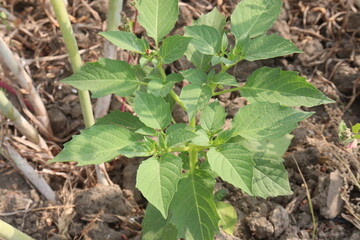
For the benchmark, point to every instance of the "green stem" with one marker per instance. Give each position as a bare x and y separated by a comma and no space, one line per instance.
226,91
75,59
192,123
8,232
162,72
179,149
113,16
193,155
177,99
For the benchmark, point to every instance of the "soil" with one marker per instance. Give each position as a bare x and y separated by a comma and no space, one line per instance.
321,168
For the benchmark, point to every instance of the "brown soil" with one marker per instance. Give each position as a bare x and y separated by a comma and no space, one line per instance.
328,32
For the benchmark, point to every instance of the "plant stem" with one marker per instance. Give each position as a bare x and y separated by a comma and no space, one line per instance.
162,72
226,91
177,99
10,112
113,17
8,232
75,60
192,123
193,155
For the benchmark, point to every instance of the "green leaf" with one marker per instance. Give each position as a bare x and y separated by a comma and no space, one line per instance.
158,88
157,179
225,79
262,120
158,17
277,146
355,128
138,149
178,136
223,137
154,226
105,77
147,131
153,111
121,119
234,164
284,87
213,19
201,139
205,39
213,117
254,17
195,76
95,145
173,48
193,208
126,40
200,60
270,176
228,217
268,46
195,98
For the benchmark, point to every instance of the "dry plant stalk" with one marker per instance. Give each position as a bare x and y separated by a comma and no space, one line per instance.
13,63
39,182
10,112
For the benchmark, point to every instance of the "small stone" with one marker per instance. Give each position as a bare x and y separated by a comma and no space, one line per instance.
260,226
279,217
334,203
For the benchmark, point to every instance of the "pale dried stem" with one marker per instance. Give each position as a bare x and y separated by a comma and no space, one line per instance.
12,61
39,182
20,123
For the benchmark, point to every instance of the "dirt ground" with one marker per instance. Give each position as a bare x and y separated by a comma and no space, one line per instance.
328,33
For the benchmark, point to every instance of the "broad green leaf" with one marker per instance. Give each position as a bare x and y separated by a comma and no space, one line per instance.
224,42
157,179
138,149
121,119
158,17
268,46
195,98
147,131
153,111
201,139
95,145
142,72
205,39
178,136
213,117
213,19
228,217
173,48
195,76
234,164
223,137
126,40
284,87
277,146
355,128
200,60
225,79
105,77
262,120
158,88
193,208
154,226
177,126
270,176
254,17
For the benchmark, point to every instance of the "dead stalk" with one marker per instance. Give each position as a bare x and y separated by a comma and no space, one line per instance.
12,61
39,182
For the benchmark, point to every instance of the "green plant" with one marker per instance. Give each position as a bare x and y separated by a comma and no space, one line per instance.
184,159
348,136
